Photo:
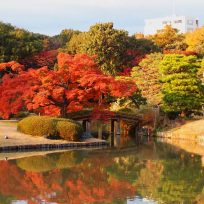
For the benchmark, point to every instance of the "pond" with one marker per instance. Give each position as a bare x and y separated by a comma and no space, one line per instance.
154,172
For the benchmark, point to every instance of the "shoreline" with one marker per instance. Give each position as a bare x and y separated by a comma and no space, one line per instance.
192,131
11,140
59,146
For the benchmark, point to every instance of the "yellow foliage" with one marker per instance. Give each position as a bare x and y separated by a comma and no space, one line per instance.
49,126
195,40
68,131
37,126
36,164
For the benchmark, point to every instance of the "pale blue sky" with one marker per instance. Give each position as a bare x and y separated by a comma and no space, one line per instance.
51,16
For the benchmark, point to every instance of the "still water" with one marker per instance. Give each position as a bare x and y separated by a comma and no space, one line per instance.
154,172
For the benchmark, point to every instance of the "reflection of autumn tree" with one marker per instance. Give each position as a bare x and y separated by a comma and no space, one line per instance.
183,179
149,178
5,200
94,184
69,159
125,168
176,180
52,161
85,182
11,180
200,198
36,164
167,175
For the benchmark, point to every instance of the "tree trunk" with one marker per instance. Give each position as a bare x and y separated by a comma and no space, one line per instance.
63,112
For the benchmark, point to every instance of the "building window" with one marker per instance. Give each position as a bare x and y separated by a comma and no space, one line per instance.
178,21
166,22
190,22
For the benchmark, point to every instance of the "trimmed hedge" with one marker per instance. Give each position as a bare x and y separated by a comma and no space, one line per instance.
52,127
37,126
68,131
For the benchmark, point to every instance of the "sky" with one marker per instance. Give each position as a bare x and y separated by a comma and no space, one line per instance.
51,16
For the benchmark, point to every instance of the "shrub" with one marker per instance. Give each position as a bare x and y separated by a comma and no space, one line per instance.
50,126
37,126
69,130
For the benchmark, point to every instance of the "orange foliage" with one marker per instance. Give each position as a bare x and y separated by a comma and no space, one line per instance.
45,58
11,66
88,182
77,83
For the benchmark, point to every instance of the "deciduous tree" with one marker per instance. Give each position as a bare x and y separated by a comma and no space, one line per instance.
107,43
195,41
147,76
77,83
16,43
169,39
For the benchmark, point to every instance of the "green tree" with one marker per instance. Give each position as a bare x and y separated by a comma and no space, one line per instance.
109,45
16,43
147,76
60,41
114,49
169,39
182,89
201,71
143,45
76,44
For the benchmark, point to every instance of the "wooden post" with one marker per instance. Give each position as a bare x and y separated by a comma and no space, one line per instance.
84,125
137,136
100,130
118,127
88,126
112,132
136,130
117,133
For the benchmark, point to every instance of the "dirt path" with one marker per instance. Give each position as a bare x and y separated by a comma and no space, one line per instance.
16,138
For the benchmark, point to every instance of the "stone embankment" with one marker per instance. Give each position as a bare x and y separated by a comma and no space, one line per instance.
192,130
189,137
12,140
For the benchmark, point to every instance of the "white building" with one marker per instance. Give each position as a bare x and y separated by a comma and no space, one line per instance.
182,23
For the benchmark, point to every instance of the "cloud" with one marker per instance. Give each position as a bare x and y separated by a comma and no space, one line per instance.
67,4
53,15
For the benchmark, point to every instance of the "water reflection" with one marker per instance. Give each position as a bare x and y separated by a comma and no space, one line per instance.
151,173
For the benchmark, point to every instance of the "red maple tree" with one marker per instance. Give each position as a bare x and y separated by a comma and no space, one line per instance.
77,83
44,58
